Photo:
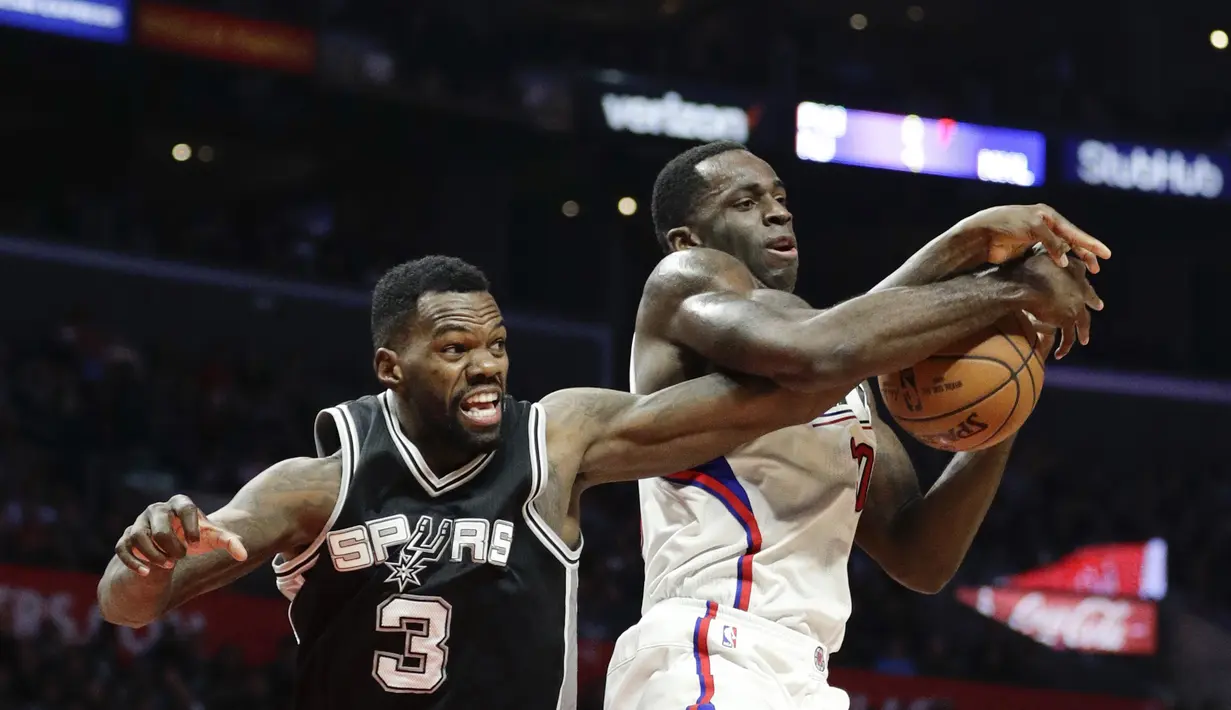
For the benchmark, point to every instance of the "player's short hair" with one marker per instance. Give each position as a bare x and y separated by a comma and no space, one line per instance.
396,295
679,185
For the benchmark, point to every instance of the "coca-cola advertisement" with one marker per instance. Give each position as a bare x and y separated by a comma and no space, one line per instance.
1090,624
32,598
1114,570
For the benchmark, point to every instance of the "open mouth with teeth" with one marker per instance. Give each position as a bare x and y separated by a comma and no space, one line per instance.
783,247
482,408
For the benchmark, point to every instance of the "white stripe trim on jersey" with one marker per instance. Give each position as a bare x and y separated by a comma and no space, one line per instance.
568,683
864,394
290,586
539,473
433,484
839,417
632,366
349,441
290,619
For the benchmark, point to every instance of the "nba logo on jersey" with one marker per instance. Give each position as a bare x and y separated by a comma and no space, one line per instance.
728,636
819,659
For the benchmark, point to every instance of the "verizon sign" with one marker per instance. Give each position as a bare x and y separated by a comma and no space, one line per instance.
673,117
1090,624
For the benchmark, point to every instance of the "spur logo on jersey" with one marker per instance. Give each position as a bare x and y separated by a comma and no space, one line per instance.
430,542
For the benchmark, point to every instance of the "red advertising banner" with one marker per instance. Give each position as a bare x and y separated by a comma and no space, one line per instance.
33,597
1116,570
1070,621
226,38
873,691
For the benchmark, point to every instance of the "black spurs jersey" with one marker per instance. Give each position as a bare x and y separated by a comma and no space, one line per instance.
446,592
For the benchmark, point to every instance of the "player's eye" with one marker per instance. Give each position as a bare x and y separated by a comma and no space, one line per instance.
781,200
497,345
453,349
746,203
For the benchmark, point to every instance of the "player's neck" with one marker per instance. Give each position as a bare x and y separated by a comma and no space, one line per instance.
438,452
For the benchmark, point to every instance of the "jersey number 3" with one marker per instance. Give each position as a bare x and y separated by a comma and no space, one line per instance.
865,459
424,621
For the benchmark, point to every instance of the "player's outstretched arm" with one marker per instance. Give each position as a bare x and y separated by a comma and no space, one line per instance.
702,299
613,436
994,236
173,552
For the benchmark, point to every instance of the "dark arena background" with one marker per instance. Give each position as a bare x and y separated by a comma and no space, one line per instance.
199,194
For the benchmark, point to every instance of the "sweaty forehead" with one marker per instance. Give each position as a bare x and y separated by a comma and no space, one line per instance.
475,309
734,169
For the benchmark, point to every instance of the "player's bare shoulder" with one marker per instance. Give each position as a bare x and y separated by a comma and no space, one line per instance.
683,282
309,480
689,272
297,495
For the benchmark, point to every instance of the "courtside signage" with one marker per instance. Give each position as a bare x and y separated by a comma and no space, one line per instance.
1144,168
99,20
827,133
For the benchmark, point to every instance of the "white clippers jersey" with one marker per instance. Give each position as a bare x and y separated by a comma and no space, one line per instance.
768,528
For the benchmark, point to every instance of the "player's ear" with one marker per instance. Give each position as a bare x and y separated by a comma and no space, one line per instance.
388,369
683,238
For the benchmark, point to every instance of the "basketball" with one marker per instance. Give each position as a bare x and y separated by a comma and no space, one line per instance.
972,394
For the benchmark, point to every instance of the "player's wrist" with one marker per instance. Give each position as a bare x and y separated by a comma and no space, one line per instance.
956,251
1000,288
964,246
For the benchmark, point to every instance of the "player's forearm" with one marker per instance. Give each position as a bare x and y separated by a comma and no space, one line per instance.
933,533
128,599
898,327
951,253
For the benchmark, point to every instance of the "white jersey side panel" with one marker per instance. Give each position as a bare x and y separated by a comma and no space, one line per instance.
768,528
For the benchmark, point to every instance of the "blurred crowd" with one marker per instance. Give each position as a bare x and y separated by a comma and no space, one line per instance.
293,235
44,673
93,427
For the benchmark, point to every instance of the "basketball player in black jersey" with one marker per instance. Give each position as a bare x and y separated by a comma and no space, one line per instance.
431,548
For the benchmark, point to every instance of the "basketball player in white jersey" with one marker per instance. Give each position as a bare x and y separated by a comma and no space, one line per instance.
746,556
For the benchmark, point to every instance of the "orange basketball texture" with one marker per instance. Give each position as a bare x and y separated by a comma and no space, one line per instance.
972,394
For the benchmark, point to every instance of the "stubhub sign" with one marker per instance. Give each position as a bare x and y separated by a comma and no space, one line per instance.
674,117
1140,168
